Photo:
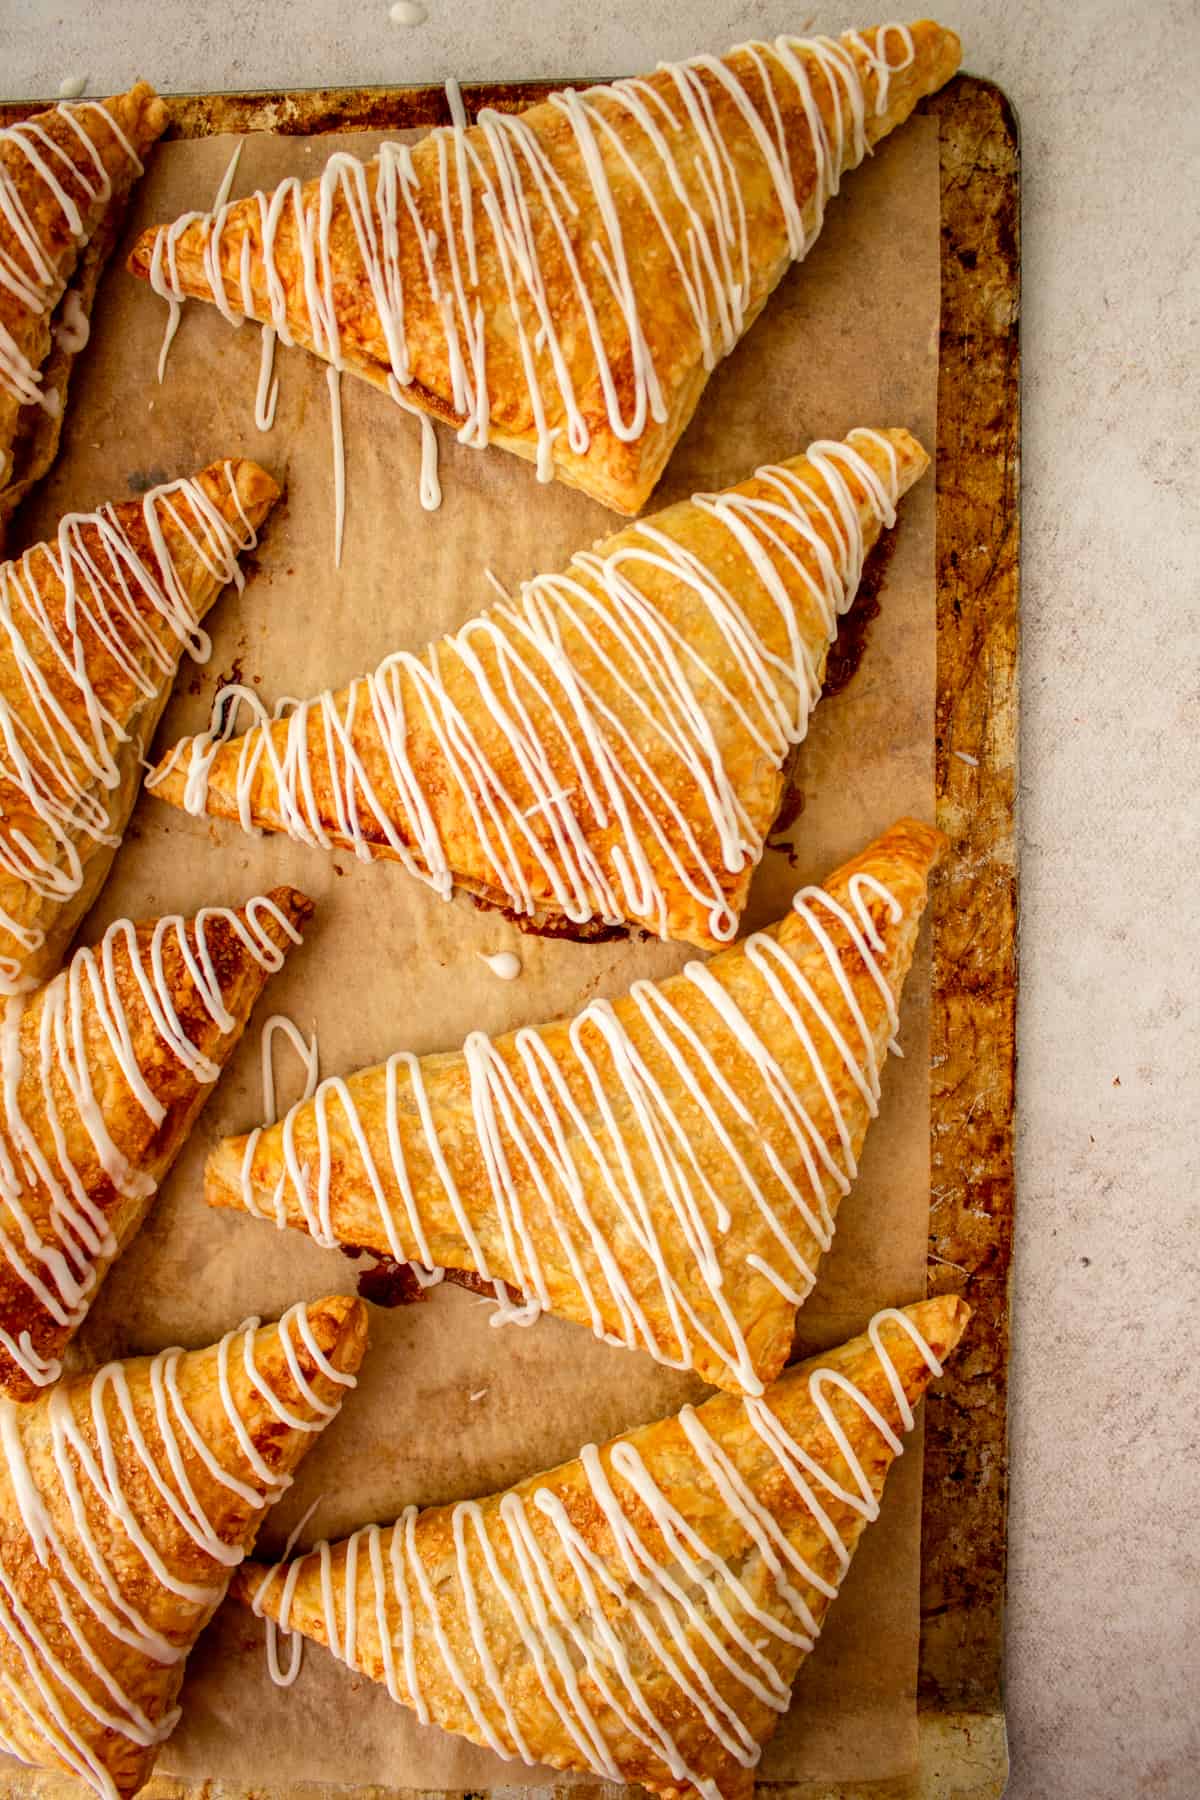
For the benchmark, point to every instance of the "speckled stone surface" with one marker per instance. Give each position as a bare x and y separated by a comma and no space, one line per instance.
1104,1683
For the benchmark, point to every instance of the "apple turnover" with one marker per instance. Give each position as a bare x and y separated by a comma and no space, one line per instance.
665,1168
127,1498
610,745
103,1073
641,1613
563,280
92,628
65,178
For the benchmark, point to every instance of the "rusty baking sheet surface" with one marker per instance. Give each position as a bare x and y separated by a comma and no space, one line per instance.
974,908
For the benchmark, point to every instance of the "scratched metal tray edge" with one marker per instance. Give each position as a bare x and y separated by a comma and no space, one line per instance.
962,1731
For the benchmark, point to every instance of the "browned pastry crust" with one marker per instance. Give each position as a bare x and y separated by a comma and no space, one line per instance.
149,1147
448,1546
47,1725
236,488
674,1132
29,435
621,474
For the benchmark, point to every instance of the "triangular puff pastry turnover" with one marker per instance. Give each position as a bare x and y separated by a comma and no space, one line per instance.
664,1168
92,627
65,176
608,746
562,281
640,1613
127,1498
104,1071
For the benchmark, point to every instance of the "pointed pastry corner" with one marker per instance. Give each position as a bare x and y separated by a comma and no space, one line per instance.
223,1174
939,47
138,261
905,77
141,113
912,458
941,1320
296,908
937,53
339,1326
246,1580
241,485
167,780
911,841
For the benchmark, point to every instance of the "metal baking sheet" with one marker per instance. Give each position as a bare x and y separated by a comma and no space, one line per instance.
974,907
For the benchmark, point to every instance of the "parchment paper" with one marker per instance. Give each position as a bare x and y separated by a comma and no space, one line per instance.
849,339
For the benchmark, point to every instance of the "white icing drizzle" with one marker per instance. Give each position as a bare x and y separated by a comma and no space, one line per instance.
225,186
66,771
90,1596
502,180
334,382
307,1051
504,964
266,397
60,1267
429,487
661,674
30,272
220,211
527,1141
665,1591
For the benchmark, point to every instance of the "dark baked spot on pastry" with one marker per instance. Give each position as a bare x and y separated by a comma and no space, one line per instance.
549,925
390,1283
846,651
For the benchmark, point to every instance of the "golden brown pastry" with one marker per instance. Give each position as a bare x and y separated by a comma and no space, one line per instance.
103,1073
127,1497
665,1168
92,627
640,1613
562,282
65,177
610,744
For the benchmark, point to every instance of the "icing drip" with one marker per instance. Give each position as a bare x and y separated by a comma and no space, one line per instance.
661,1590
429,488
527,1126
661,672
266,398
498,186
88,1476
504,964
334,382
66,771
74,328
60,1268
29,273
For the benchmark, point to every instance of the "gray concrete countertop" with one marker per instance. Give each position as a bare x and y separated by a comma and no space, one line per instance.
1104,1674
